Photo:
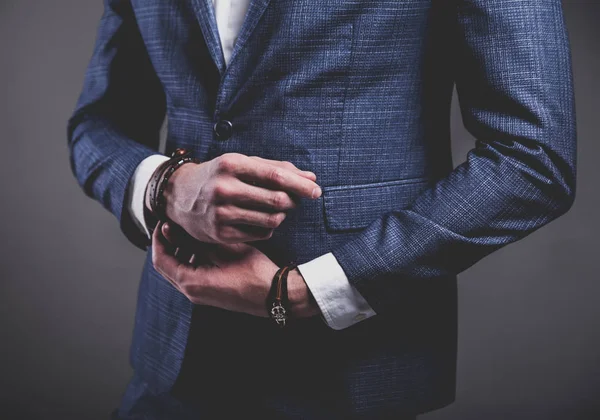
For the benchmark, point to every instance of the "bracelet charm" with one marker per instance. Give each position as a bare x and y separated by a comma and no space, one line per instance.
278,314
277,300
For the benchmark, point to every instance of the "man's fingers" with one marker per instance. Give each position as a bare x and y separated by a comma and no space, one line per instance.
258,218
232,234
182,276
231,214
275,176
162,261
177,236
227,233
189,250
289,165
180,243
250,196
171,234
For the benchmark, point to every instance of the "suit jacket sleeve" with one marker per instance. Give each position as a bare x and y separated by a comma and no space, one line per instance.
117,118
514,84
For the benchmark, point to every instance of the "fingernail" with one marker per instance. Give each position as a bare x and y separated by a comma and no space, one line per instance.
316,192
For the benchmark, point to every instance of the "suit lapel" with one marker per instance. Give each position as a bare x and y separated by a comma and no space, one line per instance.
256,9
208,24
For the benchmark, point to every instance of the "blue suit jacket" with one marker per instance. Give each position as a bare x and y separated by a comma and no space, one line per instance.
358,92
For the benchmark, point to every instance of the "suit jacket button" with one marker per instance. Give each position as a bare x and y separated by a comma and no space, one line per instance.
223,129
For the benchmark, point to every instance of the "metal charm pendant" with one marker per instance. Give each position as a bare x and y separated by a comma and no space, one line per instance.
278,313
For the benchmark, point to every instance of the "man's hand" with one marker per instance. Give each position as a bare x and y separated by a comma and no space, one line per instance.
235,198
235,277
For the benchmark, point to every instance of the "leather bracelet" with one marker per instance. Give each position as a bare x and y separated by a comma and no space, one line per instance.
272,291
159,180
278,305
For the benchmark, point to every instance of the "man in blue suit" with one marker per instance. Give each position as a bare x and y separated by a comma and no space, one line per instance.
322,131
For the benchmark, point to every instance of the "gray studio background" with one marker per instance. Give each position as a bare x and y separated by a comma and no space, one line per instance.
529,333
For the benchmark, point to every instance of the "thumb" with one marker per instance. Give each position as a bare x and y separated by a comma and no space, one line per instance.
167,232
176,235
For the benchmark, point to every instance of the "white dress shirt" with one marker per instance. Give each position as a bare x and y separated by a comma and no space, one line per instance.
340,303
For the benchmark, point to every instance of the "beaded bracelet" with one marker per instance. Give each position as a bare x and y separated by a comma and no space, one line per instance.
160,178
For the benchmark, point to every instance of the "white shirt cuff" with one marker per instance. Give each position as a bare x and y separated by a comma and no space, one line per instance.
137,189
340,303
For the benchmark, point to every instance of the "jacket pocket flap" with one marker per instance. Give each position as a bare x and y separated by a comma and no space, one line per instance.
350,207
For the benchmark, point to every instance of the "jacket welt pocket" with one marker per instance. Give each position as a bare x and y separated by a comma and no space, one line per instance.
349,207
